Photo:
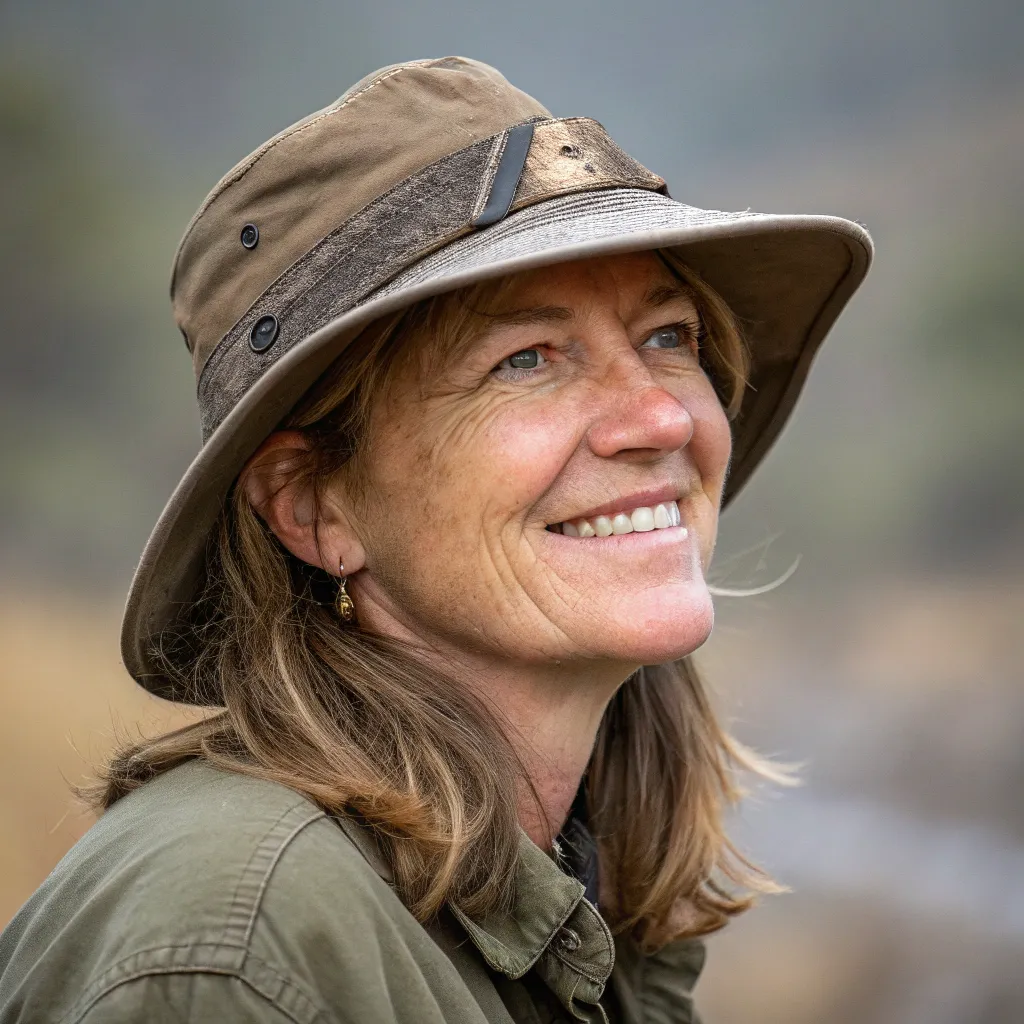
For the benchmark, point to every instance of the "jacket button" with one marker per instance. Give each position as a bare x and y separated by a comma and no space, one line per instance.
263,333
568,941
250,236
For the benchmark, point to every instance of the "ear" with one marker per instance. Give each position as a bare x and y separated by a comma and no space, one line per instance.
278,487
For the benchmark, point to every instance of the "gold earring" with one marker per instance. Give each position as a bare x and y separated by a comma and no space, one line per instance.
344,604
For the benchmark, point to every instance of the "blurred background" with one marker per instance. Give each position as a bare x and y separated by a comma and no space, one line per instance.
889,666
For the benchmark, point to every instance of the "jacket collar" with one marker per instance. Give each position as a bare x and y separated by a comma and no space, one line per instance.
550,926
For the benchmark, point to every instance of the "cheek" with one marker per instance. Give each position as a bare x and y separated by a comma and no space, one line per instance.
711,444
447,499
474,468
709,449
523,450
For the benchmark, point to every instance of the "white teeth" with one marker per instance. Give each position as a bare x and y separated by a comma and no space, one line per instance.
640,520
621,524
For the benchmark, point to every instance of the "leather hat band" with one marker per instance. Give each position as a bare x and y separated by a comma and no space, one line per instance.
462,192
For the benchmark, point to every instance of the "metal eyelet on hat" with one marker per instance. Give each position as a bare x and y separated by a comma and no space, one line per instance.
250,236
568,941
263,333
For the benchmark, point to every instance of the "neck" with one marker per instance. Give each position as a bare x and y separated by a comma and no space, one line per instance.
552,723
550,713
554,737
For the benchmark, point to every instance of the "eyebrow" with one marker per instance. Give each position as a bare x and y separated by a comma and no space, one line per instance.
529,317
662,294
659,295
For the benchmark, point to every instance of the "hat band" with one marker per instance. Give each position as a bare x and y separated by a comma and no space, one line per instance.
426,211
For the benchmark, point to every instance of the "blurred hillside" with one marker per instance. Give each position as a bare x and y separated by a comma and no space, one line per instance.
890,665
116,118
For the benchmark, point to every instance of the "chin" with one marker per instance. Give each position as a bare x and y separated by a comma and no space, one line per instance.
660,626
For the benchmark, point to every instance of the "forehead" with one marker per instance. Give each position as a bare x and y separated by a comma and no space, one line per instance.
448,327
626,279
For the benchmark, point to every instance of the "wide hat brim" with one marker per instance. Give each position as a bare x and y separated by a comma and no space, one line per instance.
786,278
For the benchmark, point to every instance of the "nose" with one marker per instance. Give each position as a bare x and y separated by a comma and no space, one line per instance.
638,417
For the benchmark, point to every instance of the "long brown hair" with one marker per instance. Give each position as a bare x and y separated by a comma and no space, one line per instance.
357,722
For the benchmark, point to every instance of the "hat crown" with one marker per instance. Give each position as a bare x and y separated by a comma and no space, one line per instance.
297,187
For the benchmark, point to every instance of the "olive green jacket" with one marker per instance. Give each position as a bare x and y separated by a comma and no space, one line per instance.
208,896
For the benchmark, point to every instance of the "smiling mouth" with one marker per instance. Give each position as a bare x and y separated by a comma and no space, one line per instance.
644,519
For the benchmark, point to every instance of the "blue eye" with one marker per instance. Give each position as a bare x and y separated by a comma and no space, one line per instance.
663,337
527,359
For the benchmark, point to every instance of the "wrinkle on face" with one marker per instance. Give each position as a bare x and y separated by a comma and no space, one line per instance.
464,472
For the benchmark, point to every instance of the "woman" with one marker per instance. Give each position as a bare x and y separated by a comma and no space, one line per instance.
473,393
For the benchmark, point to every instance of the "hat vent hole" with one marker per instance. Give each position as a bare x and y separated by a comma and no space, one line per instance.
573,152
263,333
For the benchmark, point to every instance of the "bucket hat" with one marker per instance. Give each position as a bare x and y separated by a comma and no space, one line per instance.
422,178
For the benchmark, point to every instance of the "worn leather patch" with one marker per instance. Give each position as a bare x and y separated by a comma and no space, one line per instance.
418,216
577,155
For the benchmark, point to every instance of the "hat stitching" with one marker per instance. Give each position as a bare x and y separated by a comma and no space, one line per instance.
283,304
372,85
227,343
500,138
240,170
491,168
234,336
236,333
315,308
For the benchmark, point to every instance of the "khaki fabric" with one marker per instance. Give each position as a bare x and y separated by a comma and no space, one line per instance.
208,896
429,209
305,181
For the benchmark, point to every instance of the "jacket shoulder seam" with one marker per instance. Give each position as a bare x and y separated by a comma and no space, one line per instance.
255,876
263,978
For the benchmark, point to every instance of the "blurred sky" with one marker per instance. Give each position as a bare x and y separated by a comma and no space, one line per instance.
889,665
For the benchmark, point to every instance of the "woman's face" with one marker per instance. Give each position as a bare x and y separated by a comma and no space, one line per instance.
581,403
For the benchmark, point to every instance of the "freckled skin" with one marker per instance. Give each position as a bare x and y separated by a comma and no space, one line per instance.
463,478
444,538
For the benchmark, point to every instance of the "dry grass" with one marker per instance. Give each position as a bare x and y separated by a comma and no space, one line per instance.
64,696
